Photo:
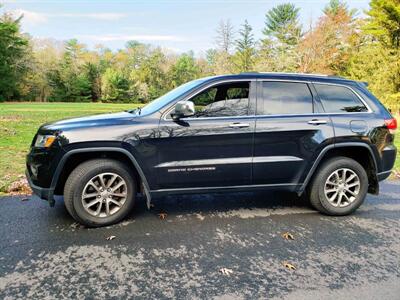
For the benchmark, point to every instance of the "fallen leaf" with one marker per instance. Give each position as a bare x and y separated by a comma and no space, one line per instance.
20,187
162,216
288,236
75,225
289,266
226,271
111,237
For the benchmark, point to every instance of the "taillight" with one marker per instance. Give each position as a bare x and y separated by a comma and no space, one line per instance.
391,124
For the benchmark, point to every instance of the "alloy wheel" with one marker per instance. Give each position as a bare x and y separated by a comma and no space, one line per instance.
104,195
342,187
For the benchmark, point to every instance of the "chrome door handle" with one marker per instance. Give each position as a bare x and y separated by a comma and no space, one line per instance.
317,122
239,125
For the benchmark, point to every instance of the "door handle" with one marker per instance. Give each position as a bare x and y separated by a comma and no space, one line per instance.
316,122
239,125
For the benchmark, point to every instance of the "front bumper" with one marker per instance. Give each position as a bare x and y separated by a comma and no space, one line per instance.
43,193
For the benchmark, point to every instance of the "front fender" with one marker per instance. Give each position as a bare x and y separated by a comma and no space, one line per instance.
108,149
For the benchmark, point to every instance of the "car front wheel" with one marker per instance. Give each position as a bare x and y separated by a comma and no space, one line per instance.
99,192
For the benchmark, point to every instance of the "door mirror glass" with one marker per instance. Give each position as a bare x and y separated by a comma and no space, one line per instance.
183,109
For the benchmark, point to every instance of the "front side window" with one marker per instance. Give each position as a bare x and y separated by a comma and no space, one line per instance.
339,99
159,103
224,100
280,98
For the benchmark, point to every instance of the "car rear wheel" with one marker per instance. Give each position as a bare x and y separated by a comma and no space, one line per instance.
339,187
99,192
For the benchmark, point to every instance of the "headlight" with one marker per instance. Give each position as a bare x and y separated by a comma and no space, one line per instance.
44,141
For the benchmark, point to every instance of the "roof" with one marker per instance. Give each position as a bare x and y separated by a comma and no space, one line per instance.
283,76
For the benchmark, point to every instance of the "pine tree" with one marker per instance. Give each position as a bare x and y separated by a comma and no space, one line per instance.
282,23
282,34
384,22
245,49
336,7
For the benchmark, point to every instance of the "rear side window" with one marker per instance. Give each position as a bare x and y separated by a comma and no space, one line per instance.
285,98
338,99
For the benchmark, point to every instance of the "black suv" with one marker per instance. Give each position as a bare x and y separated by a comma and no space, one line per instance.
325,136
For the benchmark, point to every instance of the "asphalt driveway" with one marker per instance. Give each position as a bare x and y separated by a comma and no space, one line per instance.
44,254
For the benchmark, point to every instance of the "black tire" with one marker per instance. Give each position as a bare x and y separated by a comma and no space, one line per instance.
319,200
77,181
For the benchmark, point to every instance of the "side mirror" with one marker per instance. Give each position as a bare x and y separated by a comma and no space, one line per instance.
183,109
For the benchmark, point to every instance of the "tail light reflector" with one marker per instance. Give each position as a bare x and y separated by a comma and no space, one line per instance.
391,124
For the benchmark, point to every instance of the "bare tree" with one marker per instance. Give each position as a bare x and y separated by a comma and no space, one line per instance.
225,35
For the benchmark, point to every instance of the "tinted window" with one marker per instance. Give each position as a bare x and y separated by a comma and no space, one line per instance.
339,99
285,98
159,103
223,100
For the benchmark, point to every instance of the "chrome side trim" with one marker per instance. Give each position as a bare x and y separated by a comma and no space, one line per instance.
228,161
268,159
216,118
200,162
313,115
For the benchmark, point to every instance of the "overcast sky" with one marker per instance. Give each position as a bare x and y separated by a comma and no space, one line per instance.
180,25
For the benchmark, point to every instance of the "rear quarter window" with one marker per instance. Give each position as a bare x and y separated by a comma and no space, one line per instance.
339,99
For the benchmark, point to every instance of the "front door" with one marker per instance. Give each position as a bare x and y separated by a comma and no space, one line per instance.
291,130
214,147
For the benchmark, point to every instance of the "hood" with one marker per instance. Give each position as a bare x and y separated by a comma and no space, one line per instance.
89,121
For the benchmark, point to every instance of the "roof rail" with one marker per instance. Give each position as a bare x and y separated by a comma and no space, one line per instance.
292,73
244,73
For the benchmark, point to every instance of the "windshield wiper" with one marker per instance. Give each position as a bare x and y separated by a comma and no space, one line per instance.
136,110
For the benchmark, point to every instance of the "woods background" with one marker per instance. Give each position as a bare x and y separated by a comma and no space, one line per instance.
363,46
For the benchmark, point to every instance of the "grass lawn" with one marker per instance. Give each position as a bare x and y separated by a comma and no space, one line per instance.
20,121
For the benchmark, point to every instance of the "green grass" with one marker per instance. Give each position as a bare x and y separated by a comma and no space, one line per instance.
20,121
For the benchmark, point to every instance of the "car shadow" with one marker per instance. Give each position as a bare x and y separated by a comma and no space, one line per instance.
222,202
203,204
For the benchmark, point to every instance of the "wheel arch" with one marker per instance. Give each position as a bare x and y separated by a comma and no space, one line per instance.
74,157
355,150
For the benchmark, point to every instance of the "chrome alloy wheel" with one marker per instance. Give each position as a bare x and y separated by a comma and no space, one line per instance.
342,187
104,195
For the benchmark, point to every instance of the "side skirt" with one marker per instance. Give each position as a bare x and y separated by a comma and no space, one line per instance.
200,190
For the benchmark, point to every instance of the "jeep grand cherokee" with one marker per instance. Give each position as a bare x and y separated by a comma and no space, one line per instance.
327,137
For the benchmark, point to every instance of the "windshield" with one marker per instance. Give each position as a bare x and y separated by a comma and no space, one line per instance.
159,103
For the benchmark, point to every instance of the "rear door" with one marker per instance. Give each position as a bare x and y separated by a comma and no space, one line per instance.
291,129
214,147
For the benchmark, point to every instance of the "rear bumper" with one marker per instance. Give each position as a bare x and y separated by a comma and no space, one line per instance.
43,193
383,175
